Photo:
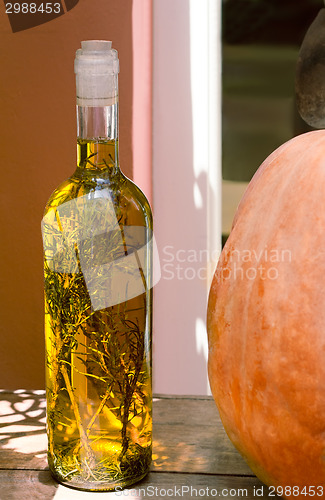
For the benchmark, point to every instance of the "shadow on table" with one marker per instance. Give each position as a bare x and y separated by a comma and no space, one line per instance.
23,441
23,445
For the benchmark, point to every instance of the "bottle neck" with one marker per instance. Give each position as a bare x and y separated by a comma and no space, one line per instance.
97,145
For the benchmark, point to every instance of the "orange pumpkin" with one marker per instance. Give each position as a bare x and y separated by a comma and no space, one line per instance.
266,320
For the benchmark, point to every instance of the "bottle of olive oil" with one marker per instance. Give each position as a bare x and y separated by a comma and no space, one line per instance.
97,236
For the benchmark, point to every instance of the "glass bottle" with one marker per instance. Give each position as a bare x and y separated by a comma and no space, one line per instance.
98,242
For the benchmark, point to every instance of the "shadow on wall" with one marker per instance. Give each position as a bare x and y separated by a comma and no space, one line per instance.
23,16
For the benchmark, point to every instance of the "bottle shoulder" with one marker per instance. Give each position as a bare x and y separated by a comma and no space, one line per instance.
126,198
64,192
133,194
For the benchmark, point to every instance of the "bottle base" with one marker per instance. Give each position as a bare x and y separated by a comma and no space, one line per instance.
108,485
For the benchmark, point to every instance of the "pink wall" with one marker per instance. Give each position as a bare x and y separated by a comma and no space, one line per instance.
142,95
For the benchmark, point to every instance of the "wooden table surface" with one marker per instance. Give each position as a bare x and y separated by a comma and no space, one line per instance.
192,455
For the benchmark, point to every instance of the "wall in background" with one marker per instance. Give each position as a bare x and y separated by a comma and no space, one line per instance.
37,139
38,136
142,96
186,186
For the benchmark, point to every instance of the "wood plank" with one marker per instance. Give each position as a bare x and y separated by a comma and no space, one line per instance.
188,435
34,485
